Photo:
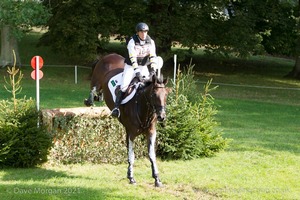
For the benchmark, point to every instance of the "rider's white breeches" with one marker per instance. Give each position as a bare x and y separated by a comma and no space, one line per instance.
129,74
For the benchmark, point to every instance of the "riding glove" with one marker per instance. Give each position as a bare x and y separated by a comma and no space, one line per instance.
134,65
154,66
138,73
151,71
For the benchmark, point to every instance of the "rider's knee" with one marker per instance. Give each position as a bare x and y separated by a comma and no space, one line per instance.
124,88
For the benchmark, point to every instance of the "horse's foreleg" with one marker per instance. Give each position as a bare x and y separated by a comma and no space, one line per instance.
130,150
152,157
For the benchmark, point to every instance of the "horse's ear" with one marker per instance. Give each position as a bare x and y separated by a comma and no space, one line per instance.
160,79
165,81
154,78
169,90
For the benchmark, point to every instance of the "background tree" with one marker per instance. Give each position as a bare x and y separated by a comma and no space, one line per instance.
16,18
193,24
295,72
90,24
86,30
222,27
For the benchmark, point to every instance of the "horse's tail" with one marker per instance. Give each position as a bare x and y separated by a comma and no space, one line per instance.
94,63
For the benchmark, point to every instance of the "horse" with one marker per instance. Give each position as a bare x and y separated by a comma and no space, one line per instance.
139,115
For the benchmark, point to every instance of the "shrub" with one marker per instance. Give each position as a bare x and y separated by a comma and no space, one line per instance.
191,130
23,143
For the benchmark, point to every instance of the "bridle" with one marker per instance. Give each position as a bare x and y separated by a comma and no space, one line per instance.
155,108
151,107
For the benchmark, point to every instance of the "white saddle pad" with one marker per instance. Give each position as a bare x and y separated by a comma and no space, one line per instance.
114,82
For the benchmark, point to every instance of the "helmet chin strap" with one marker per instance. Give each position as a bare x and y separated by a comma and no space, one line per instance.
139,37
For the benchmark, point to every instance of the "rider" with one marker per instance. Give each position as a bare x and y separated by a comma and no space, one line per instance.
141,52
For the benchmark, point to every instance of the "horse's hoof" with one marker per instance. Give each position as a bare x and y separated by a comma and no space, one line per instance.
88,103
158,184
132,181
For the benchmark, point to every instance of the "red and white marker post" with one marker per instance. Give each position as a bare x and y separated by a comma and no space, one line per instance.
37,63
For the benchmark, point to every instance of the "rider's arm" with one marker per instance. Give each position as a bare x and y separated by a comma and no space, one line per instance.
152,49
132,53
153,54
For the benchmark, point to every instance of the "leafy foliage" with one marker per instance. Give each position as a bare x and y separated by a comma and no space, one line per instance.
21,16
84,28
84,139
191,130
78,33
239,28
280,27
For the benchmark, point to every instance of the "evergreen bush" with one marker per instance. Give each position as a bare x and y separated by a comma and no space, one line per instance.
191,130
22,142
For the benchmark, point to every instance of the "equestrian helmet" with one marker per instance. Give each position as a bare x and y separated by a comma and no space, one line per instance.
141,27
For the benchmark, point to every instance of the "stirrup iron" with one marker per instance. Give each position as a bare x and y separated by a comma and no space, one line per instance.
114,114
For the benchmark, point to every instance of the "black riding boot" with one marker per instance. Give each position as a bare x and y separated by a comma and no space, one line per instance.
116,111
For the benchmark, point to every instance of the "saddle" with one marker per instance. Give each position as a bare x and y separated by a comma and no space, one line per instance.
114,86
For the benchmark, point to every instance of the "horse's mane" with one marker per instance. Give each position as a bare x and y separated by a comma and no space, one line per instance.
159,80
151,82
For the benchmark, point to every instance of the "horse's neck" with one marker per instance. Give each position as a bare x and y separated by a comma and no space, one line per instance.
144,109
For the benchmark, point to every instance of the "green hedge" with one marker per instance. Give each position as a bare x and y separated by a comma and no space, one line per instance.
80,139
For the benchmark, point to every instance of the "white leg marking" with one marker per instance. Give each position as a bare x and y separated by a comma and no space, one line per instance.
151,147
130,152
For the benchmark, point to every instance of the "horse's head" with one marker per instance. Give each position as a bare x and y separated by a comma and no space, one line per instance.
159,97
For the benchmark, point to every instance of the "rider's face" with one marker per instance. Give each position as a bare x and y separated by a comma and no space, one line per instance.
142,34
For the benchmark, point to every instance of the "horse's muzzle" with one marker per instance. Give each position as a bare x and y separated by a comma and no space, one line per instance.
161,115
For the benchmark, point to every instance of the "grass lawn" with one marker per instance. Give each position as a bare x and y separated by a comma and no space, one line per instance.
258,111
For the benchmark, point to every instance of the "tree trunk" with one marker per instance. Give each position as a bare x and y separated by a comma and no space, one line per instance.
295,73
8,45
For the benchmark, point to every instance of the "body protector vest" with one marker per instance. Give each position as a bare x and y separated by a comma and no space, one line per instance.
142,49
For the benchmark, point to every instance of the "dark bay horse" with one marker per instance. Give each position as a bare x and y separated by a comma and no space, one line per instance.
139,115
